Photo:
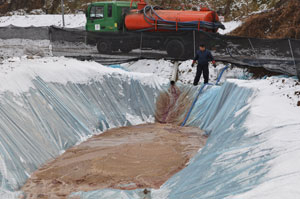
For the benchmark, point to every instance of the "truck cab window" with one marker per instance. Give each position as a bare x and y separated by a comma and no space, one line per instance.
97,12
109,11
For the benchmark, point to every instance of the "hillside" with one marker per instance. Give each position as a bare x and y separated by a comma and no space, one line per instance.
281,22
9,7
231,9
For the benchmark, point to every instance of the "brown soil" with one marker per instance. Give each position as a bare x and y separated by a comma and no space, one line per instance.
282,22
261,72
143,156
21,4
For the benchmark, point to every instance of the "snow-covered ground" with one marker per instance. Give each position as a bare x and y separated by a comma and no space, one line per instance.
71,21
275,118
17,73
186,73
230,26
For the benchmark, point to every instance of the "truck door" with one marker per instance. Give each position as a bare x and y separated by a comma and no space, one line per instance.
110,21
95,20
102,18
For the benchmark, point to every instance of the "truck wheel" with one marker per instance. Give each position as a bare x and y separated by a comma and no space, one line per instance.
189,53
104,47
175,49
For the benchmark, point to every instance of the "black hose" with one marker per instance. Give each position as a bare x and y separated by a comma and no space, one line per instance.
161,23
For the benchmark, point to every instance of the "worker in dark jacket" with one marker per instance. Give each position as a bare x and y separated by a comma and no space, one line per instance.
203,56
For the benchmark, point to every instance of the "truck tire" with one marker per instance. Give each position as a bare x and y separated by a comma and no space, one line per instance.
175,48
104,47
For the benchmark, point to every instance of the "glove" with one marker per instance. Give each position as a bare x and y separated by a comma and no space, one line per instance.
193,64
214,63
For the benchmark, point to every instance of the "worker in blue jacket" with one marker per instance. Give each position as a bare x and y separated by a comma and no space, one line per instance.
203,56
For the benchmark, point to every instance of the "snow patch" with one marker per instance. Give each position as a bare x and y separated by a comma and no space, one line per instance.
16,74
229,27
186,73
71,20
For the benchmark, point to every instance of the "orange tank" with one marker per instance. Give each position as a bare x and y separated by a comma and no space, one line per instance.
138,21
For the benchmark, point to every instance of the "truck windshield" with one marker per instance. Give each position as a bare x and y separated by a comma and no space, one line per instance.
97,12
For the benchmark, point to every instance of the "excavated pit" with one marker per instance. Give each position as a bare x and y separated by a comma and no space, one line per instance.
136,157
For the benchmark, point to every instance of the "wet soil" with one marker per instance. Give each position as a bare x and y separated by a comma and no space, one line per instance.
172,105
142,156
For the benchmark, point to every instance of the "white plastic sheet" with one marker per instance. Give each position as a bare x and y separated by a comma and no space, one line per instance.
221,168
39,124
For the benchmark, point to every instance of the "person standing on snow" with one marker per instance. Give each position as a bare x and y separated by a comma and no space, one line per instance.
203,56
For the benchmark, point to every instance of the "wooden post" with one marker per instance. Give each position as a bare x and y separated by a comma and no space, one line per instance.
63,12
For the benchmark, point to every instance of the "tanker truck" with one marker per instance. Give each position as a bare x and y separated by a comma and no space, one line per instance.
124,26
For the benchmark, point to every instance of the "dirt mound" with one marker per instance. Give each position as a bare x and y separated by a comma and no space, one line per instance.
143,156
282,22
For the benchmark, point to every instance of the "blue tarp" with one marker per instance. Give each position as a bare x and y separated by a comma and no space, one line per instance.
223,167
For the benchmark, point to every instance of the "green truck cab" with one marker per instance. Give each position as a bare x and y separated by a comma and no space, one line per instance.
107,16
